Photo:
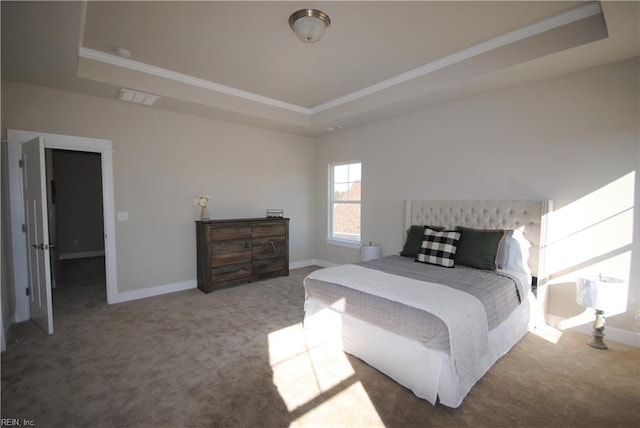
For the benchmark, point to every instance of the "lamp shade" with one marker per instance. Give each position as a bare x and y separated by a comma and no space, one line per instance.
604,293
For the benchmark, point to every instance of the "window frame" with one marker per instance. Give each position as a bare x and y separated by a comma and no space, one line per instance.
333,238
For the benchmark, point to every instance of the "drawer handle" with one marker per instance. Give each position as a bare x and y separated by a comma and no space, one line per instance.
273,246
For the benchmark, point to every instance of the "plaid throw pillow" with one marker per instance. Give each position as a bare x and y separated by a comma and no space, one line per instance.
438,248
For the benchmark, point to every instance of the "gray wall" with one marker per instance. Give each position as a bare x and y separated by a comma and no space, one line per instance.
162,161
78,202
566,139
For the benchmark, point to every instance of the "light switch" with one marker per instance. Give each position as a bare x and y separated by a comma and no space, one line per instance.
123,216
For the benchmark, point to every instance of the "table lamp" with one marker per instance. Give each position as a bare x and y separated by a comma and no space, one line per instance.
600,294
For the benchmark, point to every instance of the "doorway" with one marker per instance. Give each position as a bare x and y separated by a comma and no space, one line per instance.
76,228
18,251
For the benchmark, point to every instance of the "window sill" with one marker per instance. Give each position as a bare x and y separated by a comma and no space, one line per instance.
343,243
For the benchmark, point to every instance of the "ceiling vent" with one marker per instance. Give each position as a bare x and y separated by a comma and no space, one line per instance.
137,97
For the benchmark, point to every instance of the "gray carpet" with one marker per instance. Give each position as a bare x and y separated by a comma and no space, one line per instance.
237,358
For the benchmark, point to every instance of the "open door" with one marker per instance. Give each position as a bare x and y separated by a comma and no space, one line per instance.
37,233
51,210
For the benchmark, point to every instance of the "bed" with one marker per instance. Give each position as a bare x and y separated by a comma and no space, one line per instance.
433,321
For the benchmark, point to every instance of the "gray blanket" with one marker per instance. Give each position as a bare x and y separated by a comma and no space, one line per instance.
498,292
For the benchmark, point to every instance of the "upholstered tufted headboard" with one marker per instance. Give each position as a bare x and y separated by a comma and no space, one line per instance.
481,214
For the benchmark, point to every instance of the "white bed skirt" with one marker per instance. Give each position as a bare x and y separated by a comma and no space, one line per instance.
426,372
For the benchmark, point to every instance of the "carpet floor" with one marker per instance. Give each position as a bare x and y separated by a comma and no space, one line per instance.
239,358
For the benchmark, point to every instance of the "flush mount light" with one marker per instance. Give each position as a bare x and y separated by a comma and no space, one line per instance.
309,24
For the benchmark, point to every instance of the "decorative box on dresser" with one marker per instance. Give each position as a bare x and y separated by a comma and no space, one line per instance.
238,251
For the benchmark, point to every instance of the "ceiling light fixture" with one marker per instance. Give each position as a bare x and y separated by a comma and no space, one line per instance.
309,24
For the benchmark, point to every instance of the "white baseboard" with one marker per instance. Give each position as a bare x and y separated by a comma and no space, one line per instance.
310,262
613,334
325,263
318,262
187,285
301,263
81,255
154,291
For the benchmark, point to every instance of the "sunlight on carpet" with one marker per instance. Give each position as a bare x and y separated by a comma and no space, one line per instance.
314,378
352,402
547,333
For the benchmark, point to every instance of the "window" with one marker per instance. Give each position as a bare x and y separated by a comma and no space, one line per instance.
345,186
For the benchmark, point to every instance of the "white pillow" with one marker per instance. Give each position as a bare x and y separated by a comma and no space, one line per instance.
502,260
519,253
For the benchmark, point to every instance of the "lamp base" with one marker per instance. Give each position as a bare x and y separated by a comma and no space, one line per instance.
597,341
204,213
598,344
598,332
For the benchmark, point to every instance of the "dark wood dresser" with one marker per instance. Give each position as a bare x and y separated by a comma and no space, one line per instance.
238,251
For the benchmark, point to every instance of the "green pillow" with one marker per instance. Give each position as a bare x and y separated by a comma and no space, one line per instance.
415,235
478,248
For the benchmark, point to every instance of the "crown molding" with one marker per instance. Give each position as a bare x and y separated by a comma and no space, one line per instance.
108,58
539,27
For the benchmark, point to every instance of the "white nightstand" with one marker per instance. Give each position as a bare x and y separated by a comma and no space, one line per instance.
370,252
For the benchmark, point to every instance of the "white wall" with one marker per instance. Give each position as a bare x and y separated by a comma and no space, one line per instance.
560,139
162,161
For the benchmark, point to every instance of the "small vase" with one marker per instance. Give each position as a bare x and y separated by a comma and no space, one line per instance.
204,213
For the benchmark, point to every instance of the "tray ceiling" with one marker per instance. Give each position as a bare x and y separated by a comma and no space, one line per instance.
240,61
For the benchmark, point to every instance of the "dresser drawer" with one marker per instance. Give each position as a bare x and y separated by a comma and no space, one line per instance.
232,232
260,230
230,272
269,265
227,252
266,248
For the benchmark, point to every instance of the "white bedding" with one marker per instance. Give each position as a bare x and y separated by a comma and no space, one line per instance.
428,373
468,334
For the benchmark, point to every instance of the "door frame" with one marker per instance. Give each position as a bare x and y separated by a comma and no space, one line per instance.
15,139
